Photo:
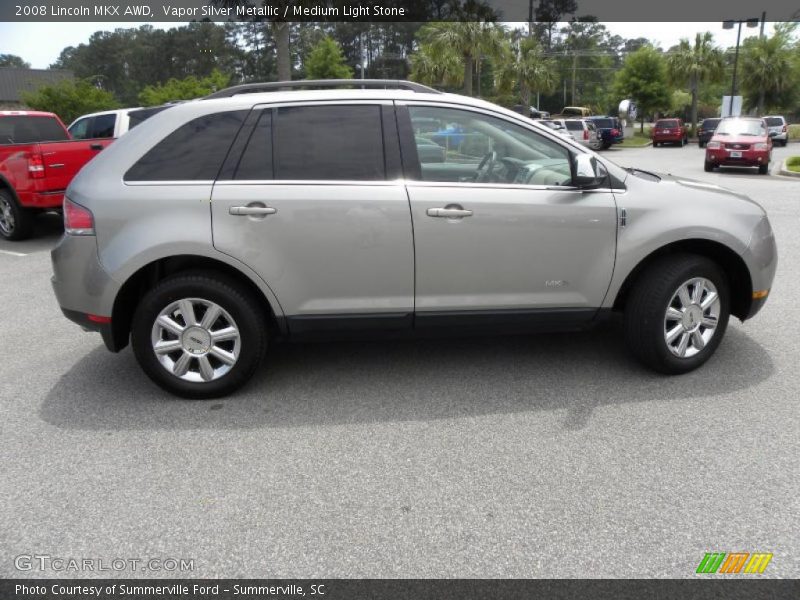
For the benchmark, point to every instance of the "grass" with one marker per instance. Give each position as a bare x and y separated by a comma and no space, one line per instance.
793,163
638,140
794,131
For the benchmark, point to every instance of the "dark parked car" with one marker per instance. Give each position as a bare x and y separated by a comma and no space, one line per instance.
706,130
610,130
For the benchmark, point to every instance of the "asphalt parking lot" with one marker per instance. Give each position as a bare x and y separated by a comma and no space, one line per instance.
544,456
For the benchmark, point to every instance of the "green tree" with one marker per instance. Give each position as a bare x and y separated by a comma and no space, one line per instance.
643,78
769,69
433,67
326,61
523,64
695,64
12,60
469,40
187,88
70,99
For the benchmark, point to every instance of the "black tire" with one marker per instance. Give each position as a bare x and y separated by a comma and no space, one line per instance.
763,169
17,224
708,166
784,142
228,294
700,144
655,144
647,304
606,146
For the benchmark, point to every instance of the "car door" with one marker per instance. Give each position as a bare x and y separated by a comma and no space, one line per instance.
314,203
505,234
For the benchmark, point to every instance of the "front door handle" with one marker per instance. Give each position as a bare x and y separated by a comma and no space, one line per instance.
252,210
449,212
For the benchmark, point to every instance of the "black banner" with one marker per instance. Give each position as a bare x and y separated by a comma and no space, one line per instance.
389,10
744,587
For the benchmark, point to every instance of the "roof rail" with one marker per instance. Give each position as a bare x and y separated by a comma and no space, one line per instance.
272,86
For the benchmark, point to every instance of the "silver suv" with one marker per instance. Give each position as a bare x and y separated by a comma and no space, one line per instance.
259,213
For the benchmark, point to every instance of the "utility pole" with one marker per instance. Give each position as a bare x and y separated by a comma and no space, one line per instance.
763,21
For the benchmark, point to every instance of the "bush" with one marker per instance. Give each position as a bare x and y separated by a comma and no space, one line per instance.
793,163
70,99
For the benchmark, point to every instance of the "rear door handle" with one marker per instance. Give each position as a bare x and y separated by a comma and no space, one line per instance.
95,146
449,212
252,210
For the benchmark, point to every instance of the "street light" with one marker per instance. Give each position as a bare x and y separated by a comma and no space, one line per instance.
729,24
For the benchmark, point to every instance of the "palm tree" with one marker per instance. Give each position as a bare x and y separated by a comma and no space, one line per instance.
523,62
469,40
431,66
701,63
767,67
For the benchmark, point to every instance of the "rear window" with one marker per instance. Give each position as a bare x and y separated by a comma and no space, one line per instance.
603,123
774,121
193,152
709,123
21,129
574,125
135,117
667,123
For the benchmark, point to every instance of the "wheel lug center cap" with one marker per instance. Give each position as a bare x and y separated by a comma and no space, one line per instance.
196,340
692,317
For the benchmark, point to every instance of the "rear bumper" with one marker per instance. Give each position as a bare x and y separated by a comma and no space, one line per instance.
81,285
42,200
676,137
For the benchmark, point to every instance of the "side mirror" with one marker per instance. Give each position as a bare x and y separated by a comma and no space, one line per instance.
588,171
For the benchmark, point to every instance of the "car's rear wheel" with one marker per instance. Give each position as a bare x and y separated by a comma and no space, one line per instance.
763,169
701,144
677,313
16,222
708,166
199,335
655,144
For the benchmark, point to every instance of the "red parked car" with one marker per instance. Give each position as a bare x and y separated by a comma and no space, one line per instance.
671,131
740,142
38,159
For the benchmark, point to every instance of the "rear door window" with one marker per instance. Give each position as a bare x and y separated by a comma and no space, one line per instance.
256,161
80,129
329,143
103,126
193,152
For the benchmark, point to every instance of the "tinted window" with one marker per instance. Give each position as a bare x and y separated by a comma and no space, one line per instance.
603,123
256,161
103,126
329,142
710,123
80,129
484,149
667,123
19,129
774,121
574,125
137,116
192,152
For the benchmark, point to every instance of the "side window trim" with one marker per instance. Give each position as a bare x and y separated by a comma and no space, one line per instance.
236,151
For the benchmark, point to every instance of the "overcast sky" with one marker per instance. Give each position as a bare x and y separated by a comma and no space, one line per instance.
41,43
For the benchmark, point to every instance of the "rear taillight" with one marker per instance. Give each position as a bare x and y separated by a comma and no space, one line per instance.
784,129
615,132
77,219
36,166
586,134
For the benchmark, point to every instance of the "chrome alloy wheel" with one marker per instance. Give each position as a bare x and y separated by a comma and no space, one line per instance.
196,340
691,318
6,216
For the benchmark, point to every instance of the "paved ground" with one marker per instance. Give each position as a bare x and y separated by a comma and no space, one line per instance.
519,457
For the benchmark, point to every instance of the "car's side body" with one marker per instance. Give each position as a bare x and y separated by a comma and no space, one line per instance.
403,241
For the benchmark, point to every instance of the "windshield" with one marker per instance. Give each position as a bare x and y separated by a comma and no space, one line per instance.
552,124
749,127
774,121
667,124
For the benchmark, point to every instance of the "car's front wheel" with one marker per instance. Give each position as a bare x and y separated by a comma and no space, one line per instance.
199,335
708,166
677,313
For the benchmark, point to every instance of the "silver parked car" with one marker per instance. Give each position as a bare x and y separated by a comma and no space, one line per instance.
262,213
583,131
778,129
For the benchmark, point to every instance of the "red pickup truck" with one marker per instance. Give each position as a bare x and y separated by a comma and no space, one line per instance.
38,159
